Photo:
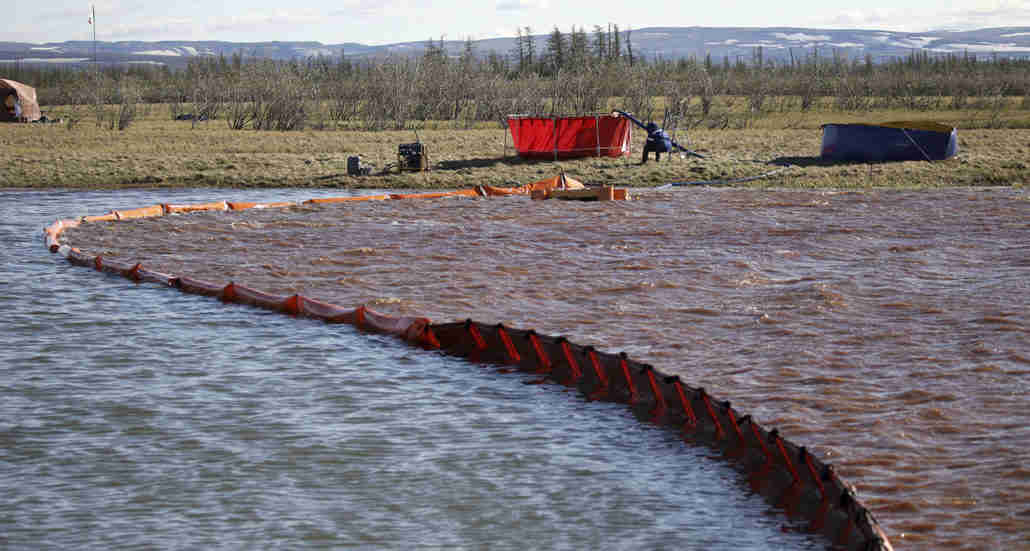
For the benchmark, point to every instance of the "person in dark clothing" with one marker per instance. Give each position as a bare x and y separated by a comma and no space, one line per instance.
658,141
11,108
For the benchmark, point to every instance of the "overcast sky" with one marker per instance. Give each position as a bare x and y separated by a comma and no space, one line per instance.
388,21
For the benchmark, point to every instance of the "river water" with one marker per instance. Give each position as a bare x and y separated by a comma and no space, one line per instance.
137,417
887,330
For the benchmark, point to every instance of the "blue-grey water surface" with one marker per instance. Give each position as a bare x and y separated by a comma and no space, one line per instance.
137,417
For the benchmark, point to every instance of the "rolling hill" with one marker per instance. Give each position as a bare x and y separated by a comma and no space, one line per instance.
777,43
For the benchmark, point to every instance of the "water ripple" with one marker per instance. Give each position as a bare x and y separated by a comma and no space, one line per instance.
135,417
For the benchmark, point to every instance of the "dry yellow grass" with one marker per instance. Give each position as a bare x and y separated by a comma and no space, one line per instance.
156,151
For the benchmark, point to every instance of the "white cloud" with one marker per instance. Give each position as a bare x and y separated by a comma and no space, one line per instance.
251,21
366,8
389,21
147,29
983,14
856,19
520,5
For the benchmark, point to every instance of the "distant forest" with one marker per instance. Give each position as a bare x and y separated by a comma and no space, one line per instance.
568,73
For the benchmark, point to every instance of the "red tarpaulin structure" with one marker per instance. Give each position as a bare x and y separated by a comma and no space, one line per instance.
568,137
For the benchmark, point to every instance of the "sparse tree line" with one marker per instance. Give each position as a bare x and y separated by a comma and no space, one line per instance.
569,73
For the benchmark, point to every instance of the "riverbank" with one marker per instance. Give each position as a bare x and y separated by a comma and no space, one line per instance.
157,152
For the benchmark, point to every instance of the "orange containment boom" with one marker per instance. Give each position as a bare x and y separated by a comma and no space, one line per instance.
786,474
559,187
603,193
436,195
324,200
248,205
179,209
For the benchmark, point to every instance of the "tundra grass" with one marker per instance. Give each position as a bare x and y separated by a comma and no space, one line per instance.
158,152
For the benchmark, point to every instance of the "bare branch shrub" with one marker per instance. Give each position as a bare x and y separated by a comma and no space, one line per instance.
235,102
850,94
641,91
278,97
756,89
128,105
395,92
205,98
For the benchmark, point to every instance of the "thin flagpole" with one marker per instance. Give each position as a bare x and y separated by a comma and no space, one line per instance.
96,67
93,23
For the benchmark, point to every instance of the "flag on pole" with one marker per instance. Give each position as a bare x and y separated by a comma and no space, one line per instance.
91,12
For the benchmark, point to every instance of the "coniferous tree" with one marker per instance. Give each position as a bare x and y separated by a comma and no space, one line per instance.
530,47
579,48
468,55
432,50
629,45
600,43
616,49
498,64
557,51
608,48
518,51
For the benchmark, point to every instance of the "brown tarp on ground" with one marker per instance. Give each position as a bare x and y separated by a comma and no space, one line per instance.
25,95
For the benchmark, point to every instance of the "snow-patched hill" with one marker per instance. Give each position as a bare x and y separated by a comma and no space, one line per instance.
777,43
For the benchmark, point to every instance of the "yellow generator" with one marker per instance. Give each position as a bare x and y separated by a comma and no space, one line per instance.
412,157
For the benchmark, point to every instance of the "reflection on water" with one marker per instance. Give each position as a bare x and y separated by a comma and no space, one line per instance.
887,330
136,417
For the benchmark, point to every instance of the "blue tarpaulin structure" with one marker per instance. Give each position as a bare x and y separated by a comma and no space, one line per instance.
889,141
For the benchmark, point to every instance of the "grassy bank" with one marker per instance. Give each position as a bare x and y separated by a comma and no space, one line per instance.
156,151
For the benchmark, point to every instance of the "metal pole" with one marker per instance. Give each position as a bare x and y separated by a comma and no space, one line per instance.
597,133
96,67
555,121
93,19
